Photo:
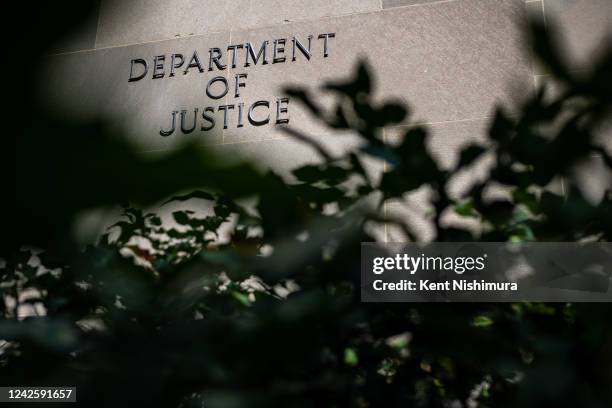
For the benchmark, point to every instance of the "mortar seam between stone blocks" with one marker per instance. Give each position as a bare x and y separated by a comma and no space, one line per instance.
217,144
384,131
532,60
386,223
110,47
228,78
96,48
431,3
385,138
415,124
97,24
305,20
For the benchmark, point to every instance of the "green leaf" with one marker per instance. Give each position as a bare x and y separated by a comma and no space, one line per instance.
241,297
529,200
482,321
350,357
465,209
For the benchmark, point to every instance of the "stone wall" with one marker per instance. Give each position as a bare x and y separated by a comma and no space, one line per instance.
451,61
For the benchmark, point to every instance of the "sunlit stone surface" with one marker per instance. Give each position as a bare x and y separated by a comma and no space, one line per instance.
215,70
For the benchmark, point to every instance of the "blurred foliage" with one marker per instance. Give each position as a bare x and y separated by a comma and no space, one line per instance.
258,305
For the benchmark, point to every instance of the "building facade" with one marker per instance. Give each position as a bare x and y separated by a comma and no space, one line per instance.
166,72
